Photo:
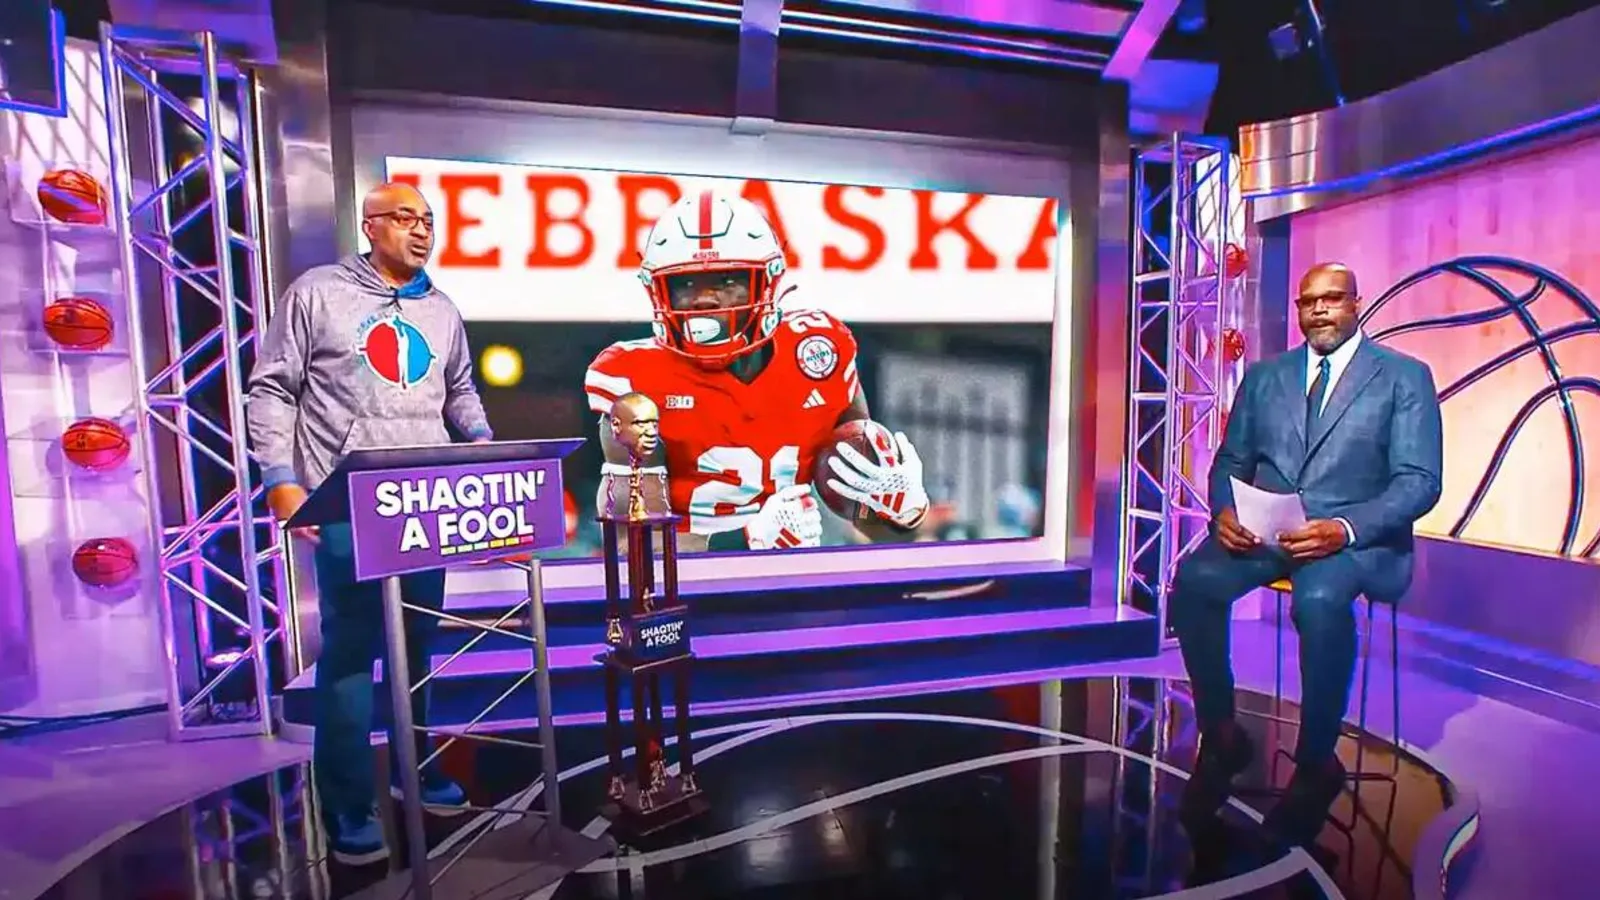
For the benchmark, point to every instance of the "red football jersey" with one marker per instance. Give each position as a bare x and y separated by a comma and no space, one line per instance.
731,445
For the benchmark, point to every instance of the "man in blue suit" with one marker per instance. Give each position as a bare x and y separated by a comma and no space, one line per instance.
1354,429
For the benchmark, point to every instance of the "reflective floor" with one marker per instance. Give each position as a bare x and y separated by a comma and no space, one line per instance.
1061,789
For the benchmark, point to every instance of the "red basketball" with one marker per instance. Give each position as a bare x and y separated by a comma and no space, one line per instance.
95,444
1235,260
74,197
78,323
105,562
870,439
1232,345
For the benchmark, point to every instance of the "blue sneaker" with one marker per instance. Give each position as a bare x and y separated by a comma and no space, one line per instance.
357,840
440,796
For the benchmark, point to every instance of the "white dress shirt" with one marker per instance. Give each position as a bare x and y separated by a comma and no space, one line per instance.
1338,361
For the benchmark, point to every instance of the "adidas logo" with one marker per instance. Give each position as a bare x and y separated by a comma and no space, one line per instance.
813,401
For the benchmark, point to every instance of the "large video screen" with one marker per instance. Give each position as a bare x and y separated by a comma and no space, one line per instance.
776,321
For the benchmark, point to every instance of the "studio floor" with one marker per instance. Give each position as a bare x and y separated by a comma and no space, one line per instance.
1066,788
1053,787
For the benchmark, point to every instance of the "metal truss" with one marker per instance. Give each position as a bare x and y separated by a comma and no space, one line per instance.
1143,724
243,839
1176,360
185,197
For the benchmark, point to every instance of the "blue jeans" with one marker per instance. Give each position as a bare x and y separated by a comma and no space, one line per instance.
352,639
1207,583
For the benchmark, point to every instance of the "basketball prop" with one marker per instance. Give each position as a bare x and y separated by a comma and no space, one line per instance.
105,562
78,323
73,197
95,444
1235,260
869,439
1232,345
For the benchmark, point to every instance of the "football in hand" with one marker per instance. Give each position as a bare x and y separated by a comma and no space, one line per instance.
869,438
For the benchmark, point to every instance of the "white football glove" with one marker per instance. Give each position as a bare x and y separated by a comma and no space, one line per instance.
790,518
891,486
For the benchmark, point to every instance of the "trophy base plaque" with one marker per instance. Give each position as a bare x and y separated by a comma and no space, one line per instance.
637,814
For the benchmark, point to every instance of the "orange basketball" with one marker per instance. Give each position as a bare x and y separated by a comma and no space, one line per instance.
1235,260
95,444
74,197
105,562
78,323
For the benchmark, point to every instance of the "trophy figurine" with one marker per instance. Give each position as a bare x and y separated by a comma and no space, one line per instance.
647,633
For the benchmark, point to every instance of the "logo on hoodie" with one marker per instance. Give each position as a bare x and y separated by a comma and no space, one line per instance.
396,351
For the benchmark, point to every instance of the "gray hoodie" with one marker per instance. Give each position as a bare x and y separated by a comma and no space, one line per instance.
350,363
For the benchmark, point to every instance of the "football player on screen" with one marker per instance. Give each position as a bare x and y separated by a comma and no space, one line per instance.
750,395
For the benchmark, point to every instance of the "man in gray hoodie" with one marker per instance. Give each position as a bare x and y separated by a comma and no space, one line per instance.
362,354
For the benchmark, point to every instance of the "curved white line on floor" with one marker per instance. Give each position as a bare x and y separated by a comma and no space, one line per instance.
523,799
1296,860
827,804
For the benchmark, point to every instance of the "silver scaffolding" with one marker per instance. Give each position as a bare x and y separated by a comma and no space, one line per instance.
1176,360
525,849
217,556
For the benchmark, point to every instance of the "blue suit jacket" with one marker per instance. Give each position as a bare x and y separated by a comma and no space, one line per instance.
1374,459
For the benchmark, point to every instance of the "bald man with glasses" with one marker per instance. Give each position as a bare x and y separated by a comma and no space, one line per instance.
362,354
1354,429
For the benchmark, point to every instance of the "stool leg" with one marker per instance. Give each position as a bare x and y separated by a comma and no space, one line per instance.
1277,693
1361,705
1394,680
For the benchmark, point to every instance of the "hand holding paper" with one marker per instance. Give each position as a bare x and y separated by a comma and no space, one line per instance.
1265,514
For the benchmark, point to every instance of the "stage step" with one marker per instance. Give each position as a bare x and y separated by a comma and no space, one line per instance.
752,614
1041,623
490,590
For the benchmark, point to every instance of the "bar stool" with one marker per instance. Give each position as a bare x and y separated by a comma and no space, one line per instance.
1283,588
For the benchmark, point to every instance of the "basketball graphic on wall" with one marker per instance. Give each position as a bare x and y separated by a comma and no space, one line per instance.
97,445
105,562
72,197
78,323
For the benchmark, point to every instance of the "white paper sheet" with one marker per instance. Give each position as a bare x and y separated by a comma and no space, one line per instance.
1265,514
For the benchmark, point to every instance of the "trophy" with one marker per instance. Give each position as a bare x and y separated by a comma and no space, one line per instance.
647,631
638,489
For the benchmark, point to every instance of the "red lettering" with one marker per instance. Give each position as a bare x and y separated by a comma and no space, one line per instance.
760,193
540,189
1037,254
410,178
457,221
979,257
635,224
871,233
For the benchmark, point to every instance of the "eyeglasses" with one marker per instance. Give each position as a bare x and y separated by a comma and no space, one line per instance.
1333,299
406,220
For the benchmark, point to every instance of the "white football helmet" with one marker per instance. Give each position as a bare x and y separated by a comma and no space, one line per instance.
718,319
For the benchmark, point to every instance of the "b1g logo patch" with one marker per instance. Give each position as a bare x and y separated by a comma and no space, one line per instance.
817,356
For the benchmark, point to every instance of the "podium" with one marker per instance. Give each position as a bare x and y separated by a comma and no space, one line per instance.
412,509
647,634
